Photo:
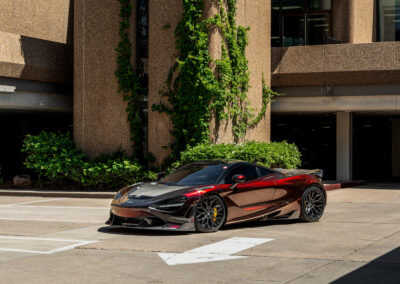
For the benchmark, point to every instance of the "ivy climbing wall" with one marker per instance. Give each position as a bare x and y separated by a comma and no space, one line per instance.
247,77
164,17
257,16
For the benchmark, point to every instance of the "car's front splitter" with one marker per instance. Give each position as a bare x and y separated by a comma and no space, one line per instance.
188,227
142,218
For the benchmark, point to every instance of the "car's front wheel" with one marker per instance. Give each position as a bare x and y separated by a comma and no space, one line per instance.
210,214
312,204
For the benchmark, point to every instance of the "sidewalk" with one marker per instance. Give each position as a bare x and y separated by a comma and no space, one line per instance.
335,185
56,193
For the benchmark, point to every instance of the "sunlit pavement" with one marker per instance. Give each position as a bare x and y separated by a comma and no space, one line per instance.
64,240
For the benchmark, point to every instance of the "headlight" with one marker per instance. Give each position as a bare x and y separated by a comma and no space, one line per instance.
118,196
171,204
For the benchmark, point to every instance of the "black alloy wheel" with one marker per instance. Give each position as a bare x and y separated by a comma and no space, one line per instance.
312,204
210,214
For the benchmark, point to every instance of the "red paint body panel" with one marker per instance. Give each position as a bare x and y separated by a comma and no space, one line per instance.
271,196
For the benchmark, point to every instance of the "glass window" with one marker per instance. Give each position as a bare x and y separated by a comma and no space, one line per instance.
389,20
319,4
293,5
275,28
318,28
196,174
300,22
264,171
293,30
249,171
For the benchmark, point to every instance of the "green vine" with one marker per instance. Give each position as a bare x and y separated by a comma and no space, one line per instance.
199,87
129,82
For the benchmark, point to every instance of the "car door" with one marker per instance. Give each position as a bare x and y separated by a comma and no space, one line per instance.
253,195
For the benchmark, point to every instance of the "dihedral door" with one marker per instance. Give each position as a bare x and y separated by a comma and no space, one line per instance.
255,194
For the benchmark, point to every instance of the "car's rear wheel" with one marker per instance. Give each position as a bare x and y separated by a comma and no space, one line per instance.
210,214
312,204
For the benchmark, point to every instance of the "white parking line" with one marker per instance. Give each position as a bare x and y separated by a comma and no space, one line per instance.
52,220
65,207
214,252
64,248
31,202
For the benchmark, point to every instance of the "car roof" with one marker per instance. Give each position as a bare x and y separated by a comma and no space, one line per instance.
219,161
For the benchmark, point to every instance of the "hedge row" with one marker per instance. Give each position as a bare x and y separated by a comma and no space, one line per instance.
54,157
272,155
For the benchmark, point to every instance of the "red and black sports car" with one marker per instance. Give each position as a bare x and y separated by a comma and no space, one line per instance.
203,196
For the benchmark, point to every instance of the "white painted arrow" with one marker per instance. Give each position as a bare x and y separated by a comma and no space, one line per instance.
214,252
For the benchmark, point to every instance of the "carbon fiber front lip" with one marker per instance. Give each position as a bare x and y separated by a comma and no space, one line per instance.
188,227
144,212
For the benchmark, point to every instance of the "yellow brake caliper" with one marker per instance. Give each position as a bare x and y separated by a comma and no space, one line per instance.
215,214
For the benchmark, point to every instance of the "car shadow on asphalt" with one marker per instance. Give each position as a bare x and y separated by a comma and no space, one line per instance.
132,231
257,224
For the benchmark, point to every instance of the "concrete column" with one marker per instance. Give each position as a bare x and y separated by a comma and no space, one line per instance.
257,16
100,119
353,21
396,147
344,145
162,56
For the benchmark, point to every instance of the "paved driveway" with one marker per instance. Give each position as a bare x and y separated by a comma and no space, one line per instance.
64,240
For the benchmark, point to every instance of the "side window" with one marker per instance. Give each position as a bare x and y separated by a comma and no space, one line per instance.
248,171
264,171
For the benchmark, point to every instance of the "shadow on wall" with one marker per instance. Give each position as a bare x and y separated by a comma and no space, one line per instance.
385,269
49,61
46,61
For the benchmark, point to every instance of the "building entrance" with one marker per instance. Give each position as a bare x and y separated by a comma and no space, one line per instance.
315,135
14,127
374,147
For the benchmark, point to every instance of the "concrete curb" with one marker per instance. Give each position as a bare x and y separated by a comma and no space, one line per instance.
45,193
341,185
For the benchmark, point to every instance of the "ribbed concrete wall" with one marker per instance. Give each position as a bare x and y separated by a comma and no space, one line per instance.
100,119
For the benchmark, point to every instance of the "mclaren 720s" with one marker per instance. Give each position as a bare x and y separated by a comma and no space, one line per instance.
204,196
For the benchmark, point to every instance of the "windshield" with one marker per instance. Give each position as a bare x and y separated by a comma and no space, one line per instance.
195,174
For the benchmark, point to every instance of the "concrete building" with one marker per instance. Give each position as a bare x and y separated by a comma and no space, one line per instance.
341,101
36,52
336,62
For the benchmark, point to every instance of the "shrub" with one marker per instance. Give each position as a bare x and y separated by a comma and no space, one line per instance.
273,155
55,157
114,173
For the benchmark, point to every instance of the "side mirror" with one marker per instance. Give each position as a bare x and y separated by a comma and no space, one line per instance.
237,179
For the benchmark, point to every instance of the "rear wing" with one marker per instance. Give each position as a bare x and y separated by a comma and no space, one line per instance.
295,172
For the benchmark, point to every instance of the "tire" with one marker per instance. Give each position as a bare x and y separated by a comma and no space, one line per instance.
313,204
210,214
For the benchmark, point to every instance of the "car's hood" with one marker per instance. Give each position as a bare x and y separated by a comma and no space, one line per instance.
144,194
154,189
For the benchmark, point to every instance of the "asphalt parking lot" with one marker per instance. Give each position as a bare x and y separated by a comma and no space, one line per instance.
64,240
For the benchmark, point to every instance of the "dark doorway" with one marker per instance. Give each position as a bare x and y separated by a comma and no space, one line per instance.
372,147
14,127
315,135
